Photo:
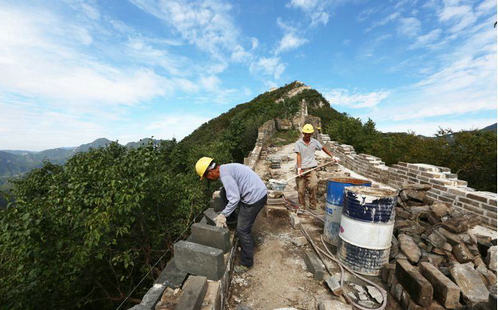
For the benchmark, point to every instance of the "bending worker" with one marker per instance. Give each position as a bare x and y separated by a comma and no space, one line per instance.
243,188
305,149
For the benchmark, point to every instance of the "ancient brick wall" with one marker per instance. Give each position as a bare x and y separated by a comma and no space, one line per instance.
265,132
445,185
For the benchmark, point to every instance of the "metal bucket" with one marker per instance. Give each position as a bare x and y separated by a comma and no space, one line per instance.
333,206
366,228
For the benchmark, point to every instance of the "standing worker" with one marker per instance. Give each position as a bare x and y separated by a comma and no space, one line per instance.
243,188
305,149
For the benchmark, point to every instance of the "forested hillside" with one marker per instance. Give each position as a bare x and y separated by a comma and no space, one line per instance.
82,234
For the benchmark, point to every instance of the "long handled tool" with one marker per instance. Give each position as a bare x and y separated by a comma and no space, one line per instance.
279,185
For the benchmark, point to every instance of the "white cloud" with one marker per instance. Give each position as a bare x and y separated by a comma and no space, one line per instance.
175,125
391,17
355,99
291,39
316,10
270,66
210,83
409,26
207,24
427,40
26,126
289,42
37,58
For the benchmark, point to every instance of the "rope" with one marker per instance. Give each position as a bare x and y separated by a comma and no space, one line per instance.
157,262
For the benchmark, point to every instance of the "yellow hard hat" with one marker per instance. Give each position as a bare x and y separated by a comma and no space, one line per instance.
202,165
308,128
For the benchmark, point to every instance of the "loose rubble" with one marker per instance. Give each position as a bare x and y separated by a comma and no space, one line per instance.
434,242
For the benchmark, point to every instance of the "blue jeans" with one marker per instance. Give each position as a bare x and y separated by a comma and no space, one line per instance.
247,216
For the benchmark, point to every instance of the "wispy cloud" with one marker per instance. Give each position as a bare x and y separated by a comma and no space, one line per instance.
268,66
207,24
316,10
427,40
355,99
291,39
176,125
37,59
409,26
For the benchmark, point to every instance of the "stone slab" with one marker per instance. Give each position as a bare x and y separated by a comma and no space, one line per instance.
152,296
409,248
314,265
212,300
216,237
171,276
445,291
193,293
198,259
210,214
418,287
470,283
491,258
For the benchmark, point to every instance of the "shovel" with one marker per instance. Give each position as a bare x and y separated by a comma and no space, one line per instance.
279,185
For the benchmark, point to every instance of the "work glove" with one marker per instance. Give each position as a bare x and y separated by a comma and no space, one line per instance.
221,221
299,171
336,159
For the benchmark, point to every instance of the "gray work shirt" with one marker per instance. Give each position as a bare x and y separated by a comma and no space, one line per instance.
307,152
241,184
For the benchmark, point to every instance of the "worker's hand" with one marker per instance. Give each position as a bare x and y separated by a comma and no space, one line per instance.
336,159
299,171
221,221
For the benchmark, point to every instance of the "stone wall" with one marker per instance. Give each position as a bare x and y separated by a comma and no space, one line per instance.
265,132
445,185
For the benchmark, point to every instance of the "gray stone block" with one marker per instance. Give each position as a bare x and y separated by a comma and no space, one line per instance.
193,294
151,298
171,276
314,265
470,282
217,202
216,237
199,259
203,220
210,214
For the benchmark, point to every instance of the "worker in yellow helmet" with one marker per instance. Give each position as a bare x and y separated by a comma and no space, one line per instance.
305,149
244,189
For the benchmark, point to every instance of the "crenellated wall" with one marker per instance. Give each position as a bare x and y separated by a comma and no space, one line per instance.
445,186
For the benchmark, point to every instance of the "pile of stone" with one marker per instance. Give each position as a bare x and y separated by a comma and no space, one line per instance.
440,258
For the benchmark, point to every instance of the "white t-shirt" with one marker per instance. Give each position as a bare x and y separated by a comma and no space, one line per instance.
307,152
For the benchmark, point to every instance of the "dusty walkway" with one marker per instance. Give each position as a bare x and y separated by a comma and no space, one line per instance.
279,278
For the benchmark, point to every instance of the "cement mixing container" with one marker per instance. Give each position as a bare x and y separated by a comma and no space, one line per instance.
366,228
333,206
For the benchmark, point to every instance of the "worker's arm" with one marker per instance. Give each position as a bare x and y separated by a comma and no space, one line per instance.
233,195
298,159
327,151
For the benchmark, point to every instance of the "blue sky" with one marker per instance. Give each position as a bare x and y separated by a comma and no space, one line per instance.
75,70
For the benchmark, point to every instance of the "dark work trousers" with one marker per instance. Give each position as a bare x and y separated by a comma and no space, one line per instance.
245,220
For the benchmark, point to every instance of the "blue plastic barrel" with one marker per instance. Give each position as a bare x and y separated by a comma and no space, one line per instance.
335,188
333,206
